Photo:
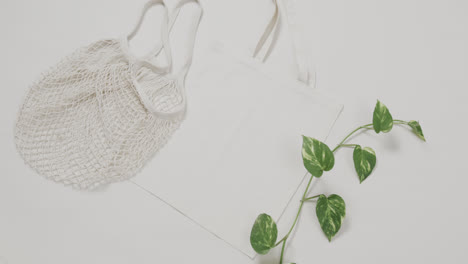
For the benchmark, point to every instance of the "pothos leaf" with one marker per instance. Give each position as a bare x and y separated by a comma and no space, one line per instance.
364,161
317,156
416,127
330,213
263,235
382,120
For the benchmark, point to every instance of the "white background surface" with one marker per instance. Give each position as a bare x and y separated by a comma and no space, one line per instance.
412,55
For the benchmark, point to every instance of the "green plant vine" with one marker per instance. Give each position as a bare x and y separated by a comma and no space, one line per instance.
317,158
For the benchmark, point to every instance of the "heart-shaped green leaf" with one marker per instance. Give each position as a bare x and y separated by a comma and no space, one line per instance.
383,120
317,156
263,235
416,127
330,213
364,161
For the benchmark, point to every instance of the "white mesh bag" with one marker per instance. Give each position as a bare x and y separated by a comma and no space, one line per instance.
101,113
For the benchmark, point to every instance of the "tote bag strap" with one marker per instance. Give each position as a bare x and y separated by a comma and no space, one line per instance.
164,32
306,74
266,42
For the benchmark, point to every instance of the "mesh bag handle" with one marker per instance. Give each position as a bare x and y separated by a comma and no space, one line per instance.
186,66
144,62
164,33
192,35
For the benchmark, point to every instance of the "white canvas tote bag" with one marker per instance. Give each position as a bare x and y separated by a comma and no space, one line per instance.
101,113
238,153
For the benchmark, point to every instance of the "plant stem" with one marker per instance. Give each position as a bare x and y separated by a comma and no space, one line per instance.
398,121
298,212
310,198
368,126
348,145
282,251
304,199
285,238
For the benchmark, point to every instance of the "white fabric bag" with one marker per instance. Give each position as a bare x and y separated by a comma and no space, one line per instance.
239,151
101,113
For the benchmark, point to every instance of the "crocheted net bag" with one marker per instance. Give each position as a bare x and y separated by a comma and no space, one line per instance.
101,113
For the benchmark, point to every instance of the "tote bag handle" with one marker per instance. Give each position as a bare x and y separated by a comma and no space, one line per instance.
266,42
306,73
